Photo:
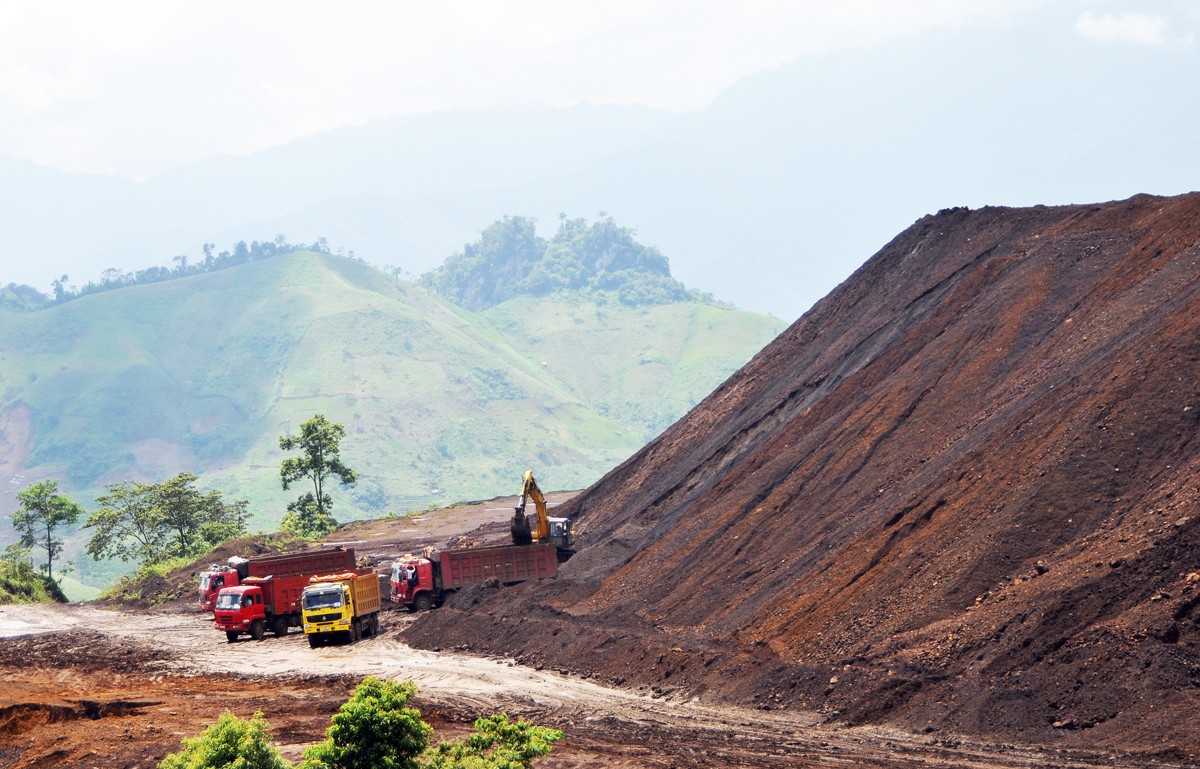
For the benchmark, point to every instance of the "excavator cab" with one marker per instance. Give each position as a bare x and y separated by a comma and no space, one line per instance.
544,529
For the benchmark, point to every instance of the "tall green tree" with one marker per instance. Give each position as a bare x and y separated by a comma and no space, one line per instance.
43,511
195,521
320,458
127,524
153,522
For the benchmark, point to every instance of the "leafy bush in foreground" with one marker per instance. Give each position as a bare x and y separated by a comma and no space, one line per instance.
231,743
374,730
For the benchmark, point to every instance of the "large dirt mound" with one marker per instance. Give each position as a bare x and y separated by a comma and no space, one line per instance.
959,494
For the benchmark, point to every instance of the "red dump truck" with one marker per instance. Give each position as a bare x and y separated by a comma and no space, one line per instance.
422,582
259,604
291,564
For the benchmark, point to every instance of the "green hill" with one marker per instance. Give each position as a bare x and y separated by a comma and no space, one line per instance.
204,373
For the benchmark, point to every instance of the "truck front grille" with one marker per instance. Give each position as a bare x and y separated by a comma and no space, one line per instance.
325,617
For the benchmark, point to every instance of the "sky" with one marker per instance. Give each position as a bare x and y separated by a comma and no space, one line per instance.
136,88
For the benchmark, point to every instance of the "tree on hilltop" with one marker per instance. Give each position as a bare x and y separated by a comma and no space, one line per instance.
320,458
510,260
490,270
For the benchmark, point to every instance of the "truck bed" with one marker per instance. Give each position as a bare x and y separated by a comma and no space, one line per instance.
310,562
365,590
506,563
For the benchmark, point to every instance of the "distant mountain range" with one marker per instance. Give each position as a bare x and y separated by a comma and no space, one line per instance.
204,373
767,199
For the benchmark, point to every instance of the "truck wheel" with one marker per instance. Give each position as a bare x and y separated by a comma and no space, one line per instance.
280,626
374,625
231,635
257,630
354,632
423,602
312,641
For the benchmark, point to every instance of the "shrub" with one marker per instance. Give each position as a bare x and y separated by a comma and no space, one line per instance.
496,744
373,730
231,743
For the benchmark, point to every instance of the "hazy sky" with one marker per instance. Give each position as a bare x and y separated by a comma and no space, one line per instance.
135,88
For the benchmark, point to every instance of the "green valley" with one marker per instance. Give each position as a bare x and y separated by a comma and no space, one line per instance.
204,373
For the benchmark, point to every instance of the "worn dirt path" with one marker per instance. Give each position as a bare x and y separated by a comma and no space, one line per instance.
165,675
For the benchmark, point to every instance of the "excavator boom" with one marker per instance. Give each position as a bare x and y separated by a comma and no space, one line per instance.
543,529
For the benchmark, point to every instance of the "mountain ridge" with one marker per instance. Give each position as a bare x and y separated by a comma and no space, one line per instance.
204,372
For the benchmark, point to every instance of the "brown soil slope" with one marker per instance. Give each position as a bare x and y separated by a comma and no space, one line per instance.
959,494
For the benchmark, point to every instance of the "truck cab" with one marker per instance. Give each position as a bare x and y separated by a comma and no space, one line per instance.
212,581
562,537
412,583
344,606
240,610
327,607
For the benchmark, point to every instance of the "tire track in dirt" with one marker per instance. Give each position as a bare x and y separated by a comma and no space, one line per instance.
629,729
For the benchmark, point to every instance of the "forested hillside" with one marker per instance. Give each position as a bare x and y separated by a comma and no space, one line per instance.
511,260
204,373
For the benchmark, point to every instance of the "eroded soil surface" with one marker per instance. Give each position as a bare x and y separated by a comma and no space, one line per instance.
88,686
958,496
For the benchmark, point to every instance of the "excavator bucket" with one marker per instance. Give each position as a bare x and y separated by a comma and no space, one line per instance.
522,533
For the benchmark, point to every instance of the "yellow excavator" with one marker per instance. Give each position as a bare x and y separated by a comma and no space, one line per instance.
554,530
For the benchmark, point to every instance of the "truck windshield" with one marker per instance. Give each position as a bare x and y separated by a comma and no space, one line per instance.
204,583
228,601
331,599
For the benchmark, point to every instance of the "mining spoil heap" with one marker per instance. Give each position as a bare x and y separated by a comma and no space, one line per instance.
958,496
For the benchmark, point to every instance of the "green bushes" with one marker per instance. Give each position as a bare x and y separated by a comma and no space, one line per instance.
231,743
375,729
20,582
496,744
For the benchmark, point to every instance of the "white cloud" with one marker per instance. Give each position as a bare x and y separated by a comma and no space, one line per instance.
1137,28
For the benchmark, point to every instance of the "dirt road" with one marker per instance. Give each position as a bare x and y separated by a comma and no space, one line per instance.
86,686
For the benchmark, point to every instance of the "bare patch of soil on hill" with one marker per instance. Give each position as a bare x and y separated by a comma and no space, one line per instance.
958,496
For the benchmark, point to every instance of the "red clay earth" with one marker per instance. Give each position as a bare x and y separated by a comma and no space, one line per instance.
959,496
89,686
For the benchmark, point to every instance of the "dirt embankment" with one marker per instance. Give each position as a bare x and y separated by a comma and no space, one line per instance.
957,496
87,686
